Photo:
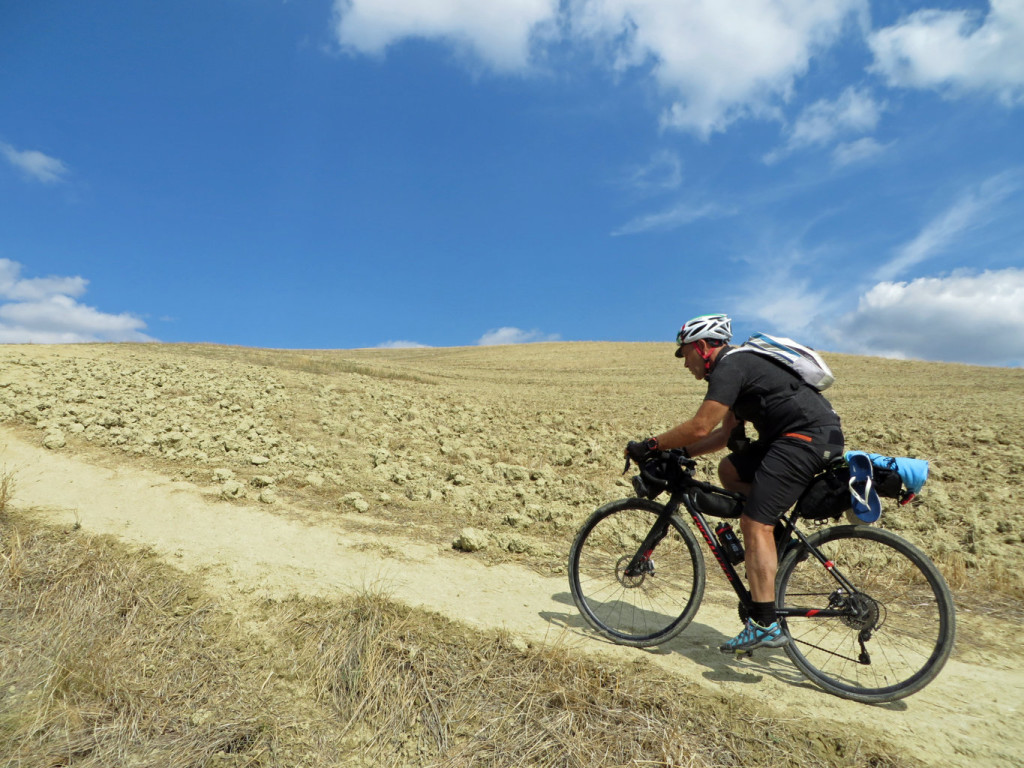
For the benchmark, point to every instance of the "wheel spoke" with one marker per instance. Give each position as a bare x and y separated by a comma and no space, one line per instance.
655,603
901,605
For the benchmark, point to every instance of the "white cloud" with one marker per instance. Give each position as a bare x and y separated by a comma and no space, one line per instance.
971,210
777,293
821,123
13,286
973,318
34,164
663,173
717,62
672,218
499,31
859,151
44,311
402,345
509,335
957,51
720,61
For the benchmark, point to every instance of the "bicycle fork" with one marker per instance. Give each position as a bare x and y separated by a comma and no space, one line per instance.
641,563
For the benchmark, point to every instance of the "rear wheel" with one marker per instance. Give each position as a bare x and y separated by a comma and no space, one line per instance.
899,623
647,607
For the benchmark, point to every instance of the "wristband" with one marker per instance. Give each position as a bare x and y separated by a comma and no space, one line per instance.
651,443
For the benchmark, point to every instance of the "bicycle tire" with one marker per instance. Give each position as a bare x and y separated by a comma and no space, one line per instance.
645,610
905,606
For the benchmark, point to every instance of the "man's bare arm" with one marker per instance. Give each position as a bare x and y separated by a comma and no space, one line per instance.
717,440
701,429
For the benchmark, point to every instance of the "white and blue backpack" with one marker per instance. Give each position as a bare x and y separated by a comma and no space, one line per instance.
801,360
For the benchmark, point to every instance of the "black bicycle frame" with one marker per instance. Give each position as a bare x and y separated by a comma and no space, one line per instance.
681,498
841,580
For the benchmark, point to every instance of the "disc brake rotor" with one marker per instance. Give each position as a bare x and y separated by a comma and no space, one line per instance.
632,581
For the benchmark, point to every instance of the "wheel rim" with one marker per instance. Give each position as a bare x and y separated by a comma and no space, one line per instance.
893,641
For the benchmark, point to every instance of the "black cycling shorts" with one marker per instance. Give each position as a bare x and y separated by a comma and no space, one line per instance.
780,470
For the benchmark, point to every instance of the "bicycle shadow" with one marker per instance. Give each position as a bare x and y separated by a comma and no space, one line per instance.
699,643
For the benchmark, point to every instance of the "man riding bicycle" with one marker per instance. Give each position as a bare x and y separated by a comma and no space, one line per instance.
798,434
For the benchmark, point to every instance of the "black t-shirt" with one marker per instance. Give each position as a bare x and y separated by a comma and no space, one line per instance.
767,394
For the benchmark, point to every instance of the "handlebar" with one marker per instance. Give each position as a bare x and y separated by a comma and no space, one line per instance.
671,471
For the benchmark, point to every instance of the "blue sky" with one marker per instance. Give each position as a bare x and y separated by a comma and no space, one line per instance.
364,173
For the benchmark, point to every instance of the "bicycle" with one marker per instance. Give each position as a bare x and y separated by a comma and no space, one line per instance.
868,615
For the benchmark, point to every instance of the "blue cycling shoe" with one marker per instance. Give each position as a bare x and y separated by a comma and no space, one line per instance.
755,636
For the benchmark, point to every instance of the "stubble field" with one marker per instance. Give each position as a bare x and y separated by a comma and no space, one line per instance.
500,452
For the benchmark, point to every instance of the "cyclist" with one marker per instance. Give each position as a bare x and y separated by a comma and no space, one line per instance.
798,434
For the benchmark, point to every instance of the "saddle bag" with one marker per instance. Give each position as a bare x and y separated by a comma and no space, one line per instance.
828,495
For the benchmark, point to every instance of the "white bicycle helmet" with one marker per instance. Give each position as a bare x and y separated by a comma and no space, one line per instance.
710,327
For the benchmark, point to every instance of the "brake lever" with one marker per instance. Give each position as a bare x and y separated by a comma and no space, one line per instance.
626,468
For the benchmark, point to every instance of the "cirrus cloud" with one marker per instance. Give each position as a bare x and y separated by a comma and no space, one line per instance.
858,151
854,111
672,218
34,165
974,208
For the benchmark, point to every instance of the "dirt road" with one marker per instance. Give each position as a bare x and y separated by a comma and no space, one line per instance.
970,716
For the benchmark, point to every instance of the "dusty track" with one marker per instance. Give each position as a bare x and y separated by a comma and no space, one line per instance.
968,717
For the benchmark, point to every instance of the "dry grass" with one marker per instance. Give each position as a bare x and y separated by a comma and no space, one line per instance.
6,490
425,691
110,658
105,660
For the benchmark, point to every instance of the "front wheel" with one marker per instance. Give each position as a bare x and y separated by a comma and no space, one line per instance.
897,620
651,604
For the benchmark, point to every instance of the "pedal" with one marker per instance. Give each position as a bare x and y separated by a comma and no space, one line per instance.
739,653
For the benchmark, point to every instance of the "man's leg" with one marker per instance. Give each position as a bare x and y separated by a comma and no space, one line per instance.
780,478
762,560
730,478
778,481
762,629
758,538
